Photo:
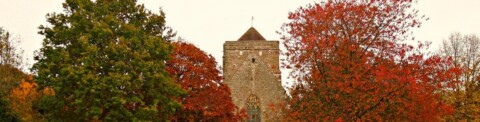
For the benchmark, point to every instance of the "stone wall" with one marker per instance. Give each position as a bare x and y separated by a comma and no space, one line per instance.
252,67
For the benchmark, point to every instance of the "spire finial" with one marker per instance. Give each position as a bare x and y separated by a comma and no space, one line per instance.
252,21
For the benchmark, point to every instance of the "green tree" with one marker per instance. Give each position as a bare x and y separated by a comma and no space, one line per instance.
10,74
105,60
6,114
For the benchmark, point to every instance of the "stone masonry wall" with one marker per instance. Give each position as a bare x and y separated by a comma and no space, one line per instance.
252,67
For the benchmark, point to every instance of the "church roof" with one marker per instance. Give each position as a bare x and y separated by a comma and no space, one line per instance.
251,34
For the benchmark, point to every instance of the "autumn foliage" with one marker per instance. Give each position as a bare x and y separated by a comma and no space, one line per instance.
24,97
208,98
465,98
11,65
350,61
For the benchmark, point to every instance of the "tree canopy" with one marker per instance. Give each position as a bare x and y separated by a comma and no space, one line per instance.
350,62
464,50
105,60
11,65
208,97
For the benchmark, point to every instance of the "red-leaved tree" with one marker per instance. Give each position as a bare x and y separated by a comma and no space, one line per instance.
350,61
208,97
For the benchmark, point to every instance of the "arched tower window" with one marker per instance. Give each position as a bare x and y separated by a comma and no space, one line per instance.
253,108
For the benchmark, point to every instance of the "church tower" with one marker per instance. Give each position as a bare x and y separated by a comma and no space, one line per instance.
251,69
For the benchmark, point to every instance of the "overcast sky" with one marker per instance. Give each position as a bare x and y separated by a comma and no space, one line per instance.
209,23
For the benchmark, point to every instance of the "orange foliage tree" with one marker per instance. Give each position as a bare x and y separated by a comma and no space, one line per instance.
208,97
350,61
23,98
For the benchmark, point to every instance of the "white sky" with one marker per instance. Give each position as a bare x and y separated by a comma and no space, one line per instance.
209,23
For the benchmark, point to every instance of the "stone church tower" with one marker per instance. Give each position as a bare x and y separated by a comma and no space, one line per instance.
251,69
